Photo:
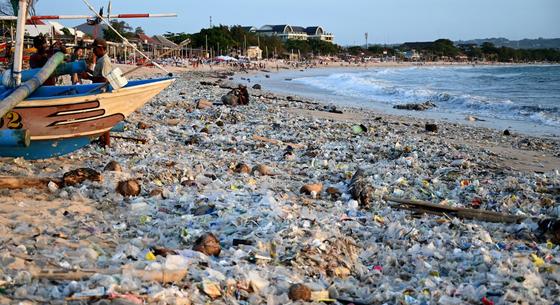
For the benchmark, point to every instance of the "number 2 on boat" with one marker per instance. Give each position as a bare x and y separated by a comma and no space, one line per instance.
14,120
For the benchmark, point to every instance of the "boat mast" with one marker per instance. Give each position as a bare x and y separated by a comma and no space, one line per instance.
20,32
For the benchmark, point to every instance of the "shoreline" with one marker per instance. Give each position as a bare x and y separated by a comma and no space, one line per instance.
277,82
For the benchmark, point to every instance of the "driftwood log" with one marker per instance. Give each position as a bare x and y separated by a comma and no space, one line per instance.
143,141
549,228
14,183
161,276
73,177
438,209
360,189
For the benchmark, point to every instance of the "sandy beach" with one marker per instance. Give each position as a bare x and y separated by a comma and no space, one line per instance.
243,174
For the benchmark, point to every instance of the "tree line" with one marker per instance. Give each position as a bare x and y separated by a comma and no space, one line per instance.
223,40
445,48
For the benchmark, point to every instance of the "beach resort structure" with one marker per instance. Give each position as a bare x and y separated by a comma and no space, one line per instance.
254,52
288,32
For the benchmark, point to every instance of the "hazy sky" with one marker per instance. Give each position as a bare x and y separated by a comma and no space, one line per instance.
387,21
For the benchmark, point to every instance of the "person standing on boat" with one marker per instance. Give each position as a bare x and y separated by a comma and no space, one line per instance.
77,56
103,64
40,58
99,74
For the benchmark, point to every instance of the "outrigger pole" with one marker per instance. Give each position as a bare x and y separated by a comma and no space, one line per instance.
18,54
117,16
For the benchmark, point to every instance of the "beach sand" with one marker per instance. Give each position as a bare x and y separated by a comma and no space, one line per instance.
370,255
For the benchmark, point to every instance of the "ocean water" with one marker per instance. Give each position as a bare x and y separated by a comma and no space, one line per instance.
520,94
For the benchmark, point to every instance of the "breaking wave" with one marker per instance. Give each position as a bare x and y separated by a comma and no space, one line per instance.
518,93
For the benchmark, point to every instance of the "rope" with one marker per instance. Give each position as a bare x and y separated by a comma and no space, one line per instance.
86,2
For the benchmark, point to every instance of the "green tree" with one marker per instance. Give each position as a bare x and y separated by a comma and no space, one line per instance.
66,32
122,27
177,37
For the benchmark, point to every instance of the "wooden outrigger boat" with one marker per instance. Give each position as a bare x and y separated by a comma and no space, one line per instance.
56,120
58,124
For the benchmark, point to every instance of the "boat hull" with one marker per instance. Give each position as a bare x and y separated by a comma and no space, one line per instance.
45,149
53,114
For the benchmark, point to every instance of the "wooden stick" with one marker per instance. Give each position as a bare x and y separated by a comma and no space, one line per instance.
13,183
438,209
143,141
160,276
277,142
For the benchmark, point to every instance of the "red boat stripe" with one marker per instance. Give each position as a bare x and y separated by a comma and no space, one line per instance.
134,15
44,17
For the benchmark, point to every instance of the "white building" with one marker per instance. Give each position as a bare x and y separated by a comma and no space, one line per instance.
47,28
287,32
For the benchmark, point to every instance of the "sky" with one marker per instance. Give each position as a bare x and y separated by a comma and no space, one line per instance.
389,21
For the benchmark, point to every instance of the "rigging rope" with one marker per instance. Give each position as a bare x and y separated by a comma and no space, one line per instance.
86,2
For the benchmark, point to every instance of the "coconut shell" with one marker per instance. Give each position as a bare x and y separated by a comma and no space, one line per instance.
142,125
208,244
263,170
309,188
129,188
80,175
157,192
204,104
299,292
242,168
113,166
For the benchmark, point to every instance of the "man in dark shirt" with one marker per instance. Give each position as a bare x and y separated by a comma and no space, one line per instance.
40,58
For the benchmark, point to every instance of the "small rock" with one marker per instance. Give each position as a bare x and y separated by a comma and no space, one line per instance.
204,104
299,292
431,127
142,125
211,289
156,193
129,188
203,210
341,272
416,107
257,87
334,192
113,166
193,140
208,244
80,175
310,189
263,170
242,168
507,132
163,252
52,186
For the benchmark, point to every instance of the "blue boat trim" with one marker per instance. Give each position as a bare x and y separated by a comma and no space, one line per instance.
45,149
